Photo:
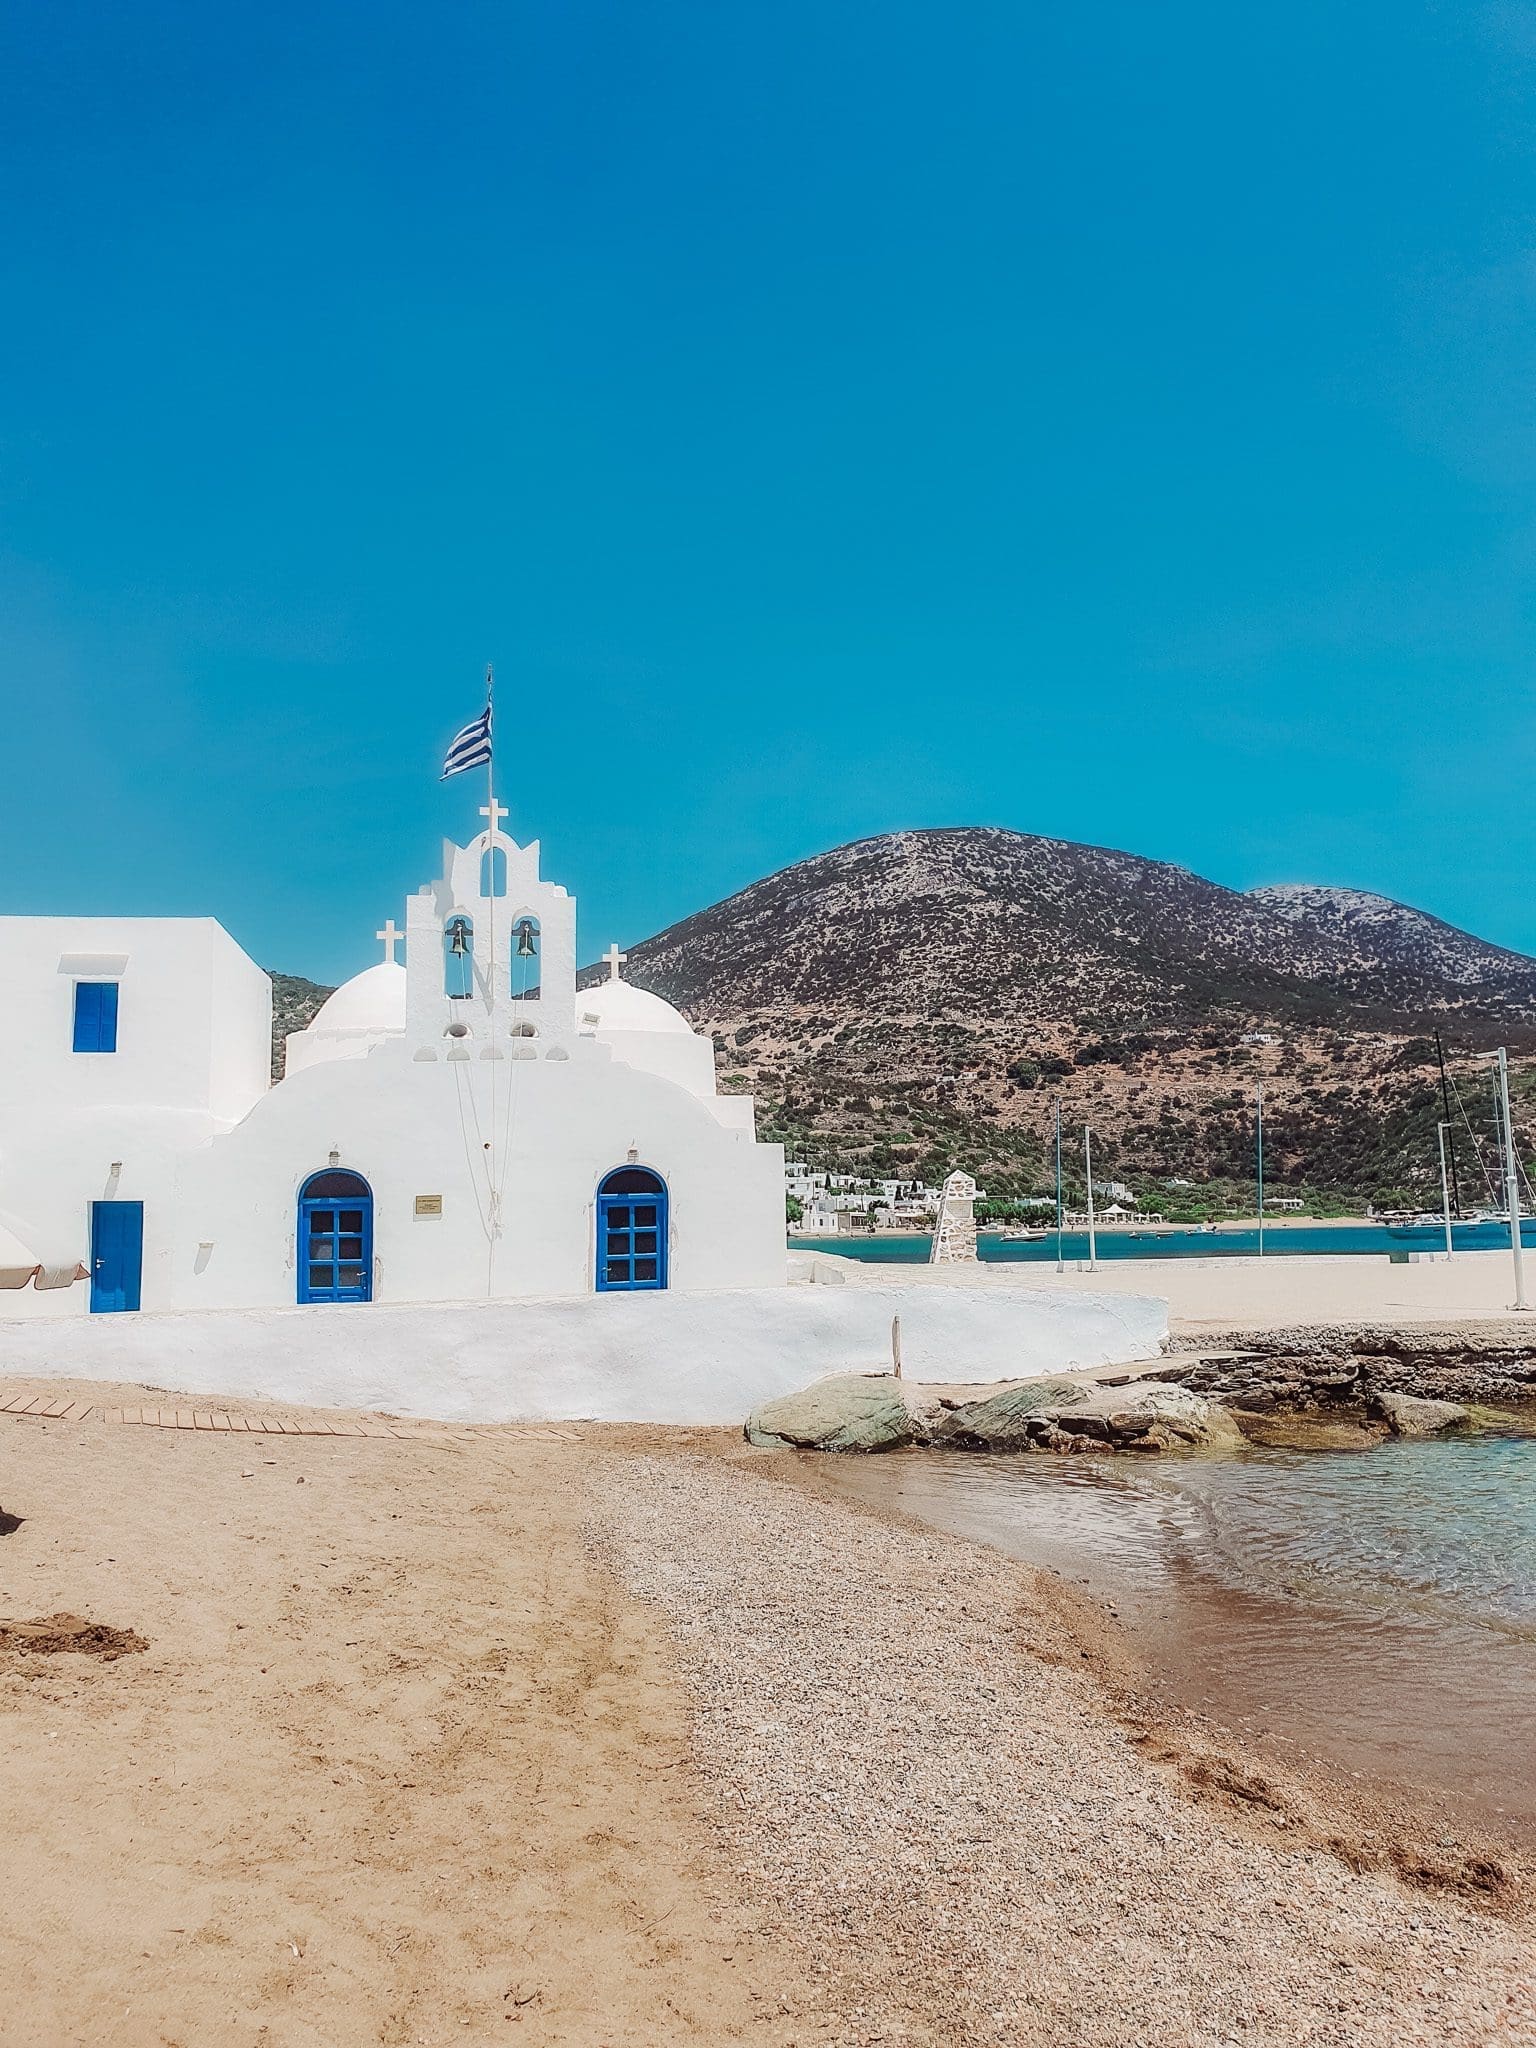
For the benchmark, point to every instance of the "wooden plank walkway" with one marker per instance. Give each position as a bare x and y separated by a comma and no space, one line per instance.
55,1408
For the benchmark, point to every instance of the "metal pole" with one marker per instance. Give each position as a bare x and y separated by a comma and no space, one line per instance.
1093,1243
1261,1170
1445,1104
1061,1264
1445,1190
1512,1181
488,871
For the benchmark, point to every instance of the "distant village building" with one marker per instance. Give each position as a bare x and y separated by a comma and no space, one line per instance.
836,1203
463,1126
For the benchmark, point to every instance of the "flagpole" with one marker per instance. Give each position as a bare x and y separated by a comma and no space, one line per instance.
488,868
490,843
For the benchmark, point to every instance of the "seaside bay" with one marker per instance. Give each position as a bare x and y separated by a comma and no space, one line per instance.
1281,1239
1374,1607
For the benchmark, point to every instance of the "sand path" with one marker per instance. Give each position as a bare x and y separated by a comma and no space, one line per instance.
398,1765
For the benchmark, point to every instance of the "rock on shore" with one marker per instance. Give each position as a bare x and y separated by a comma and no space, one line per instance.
855,1412
851,1412
1409,1415
1327,1368
1060,1416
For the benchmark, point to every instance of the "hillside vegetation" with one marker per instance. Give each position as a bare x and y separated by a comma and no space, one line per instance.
921,999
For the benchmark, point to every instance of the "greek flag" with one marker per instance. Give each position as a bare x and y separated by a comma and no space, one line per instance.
471,748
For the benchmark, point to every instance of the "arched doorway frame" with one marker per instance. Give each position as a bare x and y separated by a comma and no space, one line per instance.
633,1215
334,1260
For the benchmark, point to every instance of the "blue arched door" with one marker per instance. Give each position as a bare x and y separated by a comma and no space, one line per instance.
335,1241
631,1231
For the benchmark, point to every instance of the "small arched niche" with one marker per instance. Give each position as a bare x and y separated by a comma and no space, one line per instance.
458,956
526,962
493,871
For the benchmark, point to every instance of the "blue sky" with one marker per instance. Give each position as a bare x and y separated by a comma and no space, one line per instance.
1110,421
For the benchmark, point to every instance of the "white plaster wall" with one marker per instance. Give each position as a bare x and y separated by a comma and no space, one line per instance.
684,1358
239,1028
412,1127
54,1167
194,1018
680,1056
194,1023
312,1049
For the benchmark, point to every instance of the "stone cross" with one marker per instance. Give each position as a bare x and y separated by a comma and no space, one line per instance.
615,960
391,938
495,812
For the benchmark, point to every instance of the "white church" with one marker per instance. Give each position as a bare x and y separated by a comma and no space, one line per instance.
460,1127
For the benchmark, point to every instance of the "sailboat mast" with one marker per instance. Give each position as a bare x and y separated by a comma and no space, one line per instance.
1511,1179
1445,1107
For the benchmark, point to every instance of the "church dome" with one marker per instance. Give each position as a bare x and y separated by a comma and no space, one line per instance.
619,1006
371,1001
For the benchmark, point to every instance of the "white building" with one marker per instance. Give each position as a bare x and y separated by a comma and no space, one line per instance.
464,1126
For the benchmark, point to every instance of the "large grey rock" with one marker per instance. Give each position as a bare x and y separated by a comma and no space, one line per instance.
1006,1421
1157,1415
849,1413
1153,1415
1412,1415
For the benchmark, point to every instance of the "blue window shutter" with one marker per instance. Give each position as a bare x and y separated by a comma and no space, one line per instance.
87,1015
95,1016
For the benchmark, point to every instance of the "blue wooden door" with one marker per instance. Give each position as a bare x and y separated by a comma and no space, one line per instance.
335,1247
117,1256
631,1232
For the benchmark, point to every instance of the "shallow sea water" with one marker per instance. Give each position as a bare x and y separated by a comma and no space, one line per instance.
1286,1240
1377,1607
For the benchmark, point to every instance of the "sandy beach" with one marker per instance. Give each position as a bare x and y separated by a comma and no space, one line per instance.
606,1737
1225,1294
399,1764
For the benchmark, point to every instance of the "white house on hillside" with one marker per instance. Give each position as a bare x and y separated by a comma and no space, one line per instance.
462,1126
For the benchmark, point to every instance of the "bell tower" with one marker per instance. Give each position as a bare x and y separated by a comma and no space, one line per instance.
490,954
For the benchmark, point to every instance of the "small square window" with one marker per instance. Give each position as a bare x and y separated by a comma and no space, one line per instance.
645,1269
322,1279
618,1270
95,1016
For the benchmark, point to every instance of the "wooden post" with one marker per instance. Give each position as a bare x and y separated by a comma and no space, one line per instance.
896,1346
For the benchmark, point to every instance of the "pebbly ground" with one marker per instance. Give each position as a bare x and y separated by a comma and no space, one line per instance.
900,1754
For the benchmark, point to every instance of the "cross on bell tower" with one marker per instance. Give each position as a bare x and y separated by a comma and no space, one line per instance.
495,812
391,937
615,960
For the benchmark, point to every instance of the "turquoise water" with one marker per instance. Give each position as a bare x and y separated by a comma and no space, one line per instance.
1343,1240
1375,1607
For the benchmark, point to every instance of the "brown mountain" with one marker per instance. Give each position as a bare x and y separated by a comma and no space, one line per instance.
923,996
